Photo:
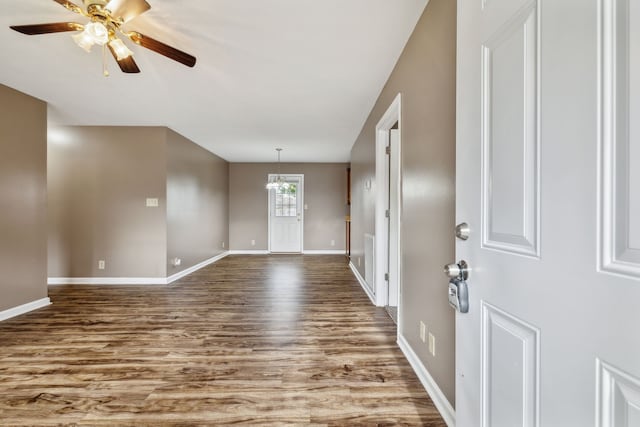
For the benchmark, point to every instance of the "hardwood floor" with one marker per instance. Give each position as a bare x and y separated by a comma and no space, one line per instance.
262,340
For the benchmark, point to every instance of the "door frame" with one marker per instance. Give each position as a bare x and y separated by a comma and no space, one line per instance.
301,203
392,116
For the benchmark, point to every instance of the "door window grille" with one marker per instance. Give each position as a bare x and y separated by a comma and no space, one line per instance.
287,201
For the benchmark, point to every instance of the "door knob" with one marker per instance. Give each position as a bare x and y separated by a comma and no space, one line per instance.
457,271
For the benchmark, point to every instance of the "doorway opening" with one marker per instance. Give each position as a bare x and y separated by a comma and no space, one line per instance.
286,221
388,275
392,173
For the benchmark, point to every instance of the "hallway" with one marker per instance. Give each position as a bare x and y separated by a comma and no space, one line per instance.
263,340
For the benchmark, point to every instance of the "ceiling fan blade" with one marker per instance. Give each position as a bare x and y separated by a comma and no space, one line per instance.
127,65
70,6
162,49
127,9
58,27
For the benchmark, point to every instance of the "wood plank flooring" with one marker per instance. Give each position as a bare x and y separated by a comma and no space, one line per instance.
259,340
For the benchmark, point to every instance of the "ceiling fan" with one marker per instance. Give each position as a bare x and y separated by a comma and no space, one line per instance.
107,18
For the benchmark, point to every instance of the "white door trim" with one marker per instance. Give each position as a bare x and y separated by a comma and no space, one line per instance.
301,203
392,116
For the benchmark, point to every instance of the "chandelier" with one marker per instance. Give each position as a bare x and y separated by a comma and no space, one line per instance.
277,182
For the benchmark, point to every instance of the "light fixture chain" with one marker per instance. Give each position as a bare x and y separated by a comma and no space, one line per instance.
105,71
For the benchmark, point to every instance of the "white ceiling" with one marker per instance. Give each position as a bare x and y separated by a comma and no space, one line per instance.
298,74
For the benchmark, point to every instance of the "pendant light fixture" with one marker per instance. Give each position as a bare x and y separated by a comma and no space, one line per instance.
278,182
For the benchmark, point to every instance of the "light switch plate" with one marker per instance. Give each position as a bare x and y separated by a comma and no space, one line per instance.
152,203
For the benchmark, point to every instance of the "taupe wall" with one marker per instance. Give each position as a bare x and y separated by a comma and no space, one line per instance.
325,186
99,179
425,75
197,203
23,198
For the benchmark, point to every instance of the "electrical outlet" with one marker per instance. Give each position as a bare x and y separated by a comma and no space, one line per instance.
423,331
176,262
358,261
333,243
101,264
253,242
432,344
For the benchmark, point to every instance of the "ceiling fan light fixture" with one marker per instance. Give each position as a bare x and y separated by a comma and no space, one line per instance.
120,49
94,33
83,40
98,33
107,17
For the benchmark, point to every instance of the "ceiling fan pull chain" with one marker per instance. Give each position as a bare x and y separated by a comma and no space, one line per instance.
105,71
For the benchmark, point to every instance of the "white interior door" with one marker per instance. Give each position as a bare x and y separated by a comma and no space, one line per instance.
548,178
394,211
285,215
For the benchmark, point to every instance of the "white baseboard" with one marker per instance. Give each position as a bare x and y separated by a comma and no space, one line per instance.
133,280
437,396
362,283
24,308
305,252
196,267
107,281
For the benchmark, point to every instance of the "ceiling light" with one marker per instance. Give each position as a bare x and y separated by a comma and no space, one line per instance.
94,33
277,182
98,32
120,49
83,40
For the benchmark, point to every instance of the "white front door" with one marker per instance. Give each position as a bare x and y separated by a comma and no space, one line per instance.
548,178
285,215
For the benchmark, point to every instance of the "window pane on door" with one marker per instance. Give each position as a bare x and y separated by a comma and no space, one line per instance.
286,201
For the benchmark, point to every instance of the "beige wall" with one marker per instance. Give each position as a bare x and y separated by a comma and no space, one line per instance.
325,195
425,75
23,198
99,179
197,203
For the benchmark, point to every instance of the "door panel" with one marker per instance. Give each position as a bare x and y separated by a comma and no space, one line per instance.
547,160
618,398
510,365
620,187
285,216
510,155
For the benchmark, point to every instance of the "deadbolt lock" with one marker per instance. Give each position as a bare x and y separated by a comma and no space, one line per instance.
462,231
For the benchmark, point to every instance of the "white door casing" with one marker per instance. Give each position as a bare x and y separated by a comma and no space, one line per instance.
286,216
548,178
